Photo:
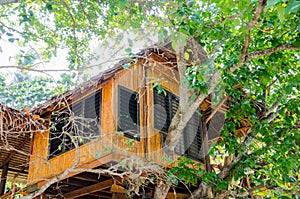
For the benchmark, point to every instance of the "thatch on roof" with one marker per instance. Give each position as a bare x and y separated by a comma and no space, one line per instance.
62,99
15,129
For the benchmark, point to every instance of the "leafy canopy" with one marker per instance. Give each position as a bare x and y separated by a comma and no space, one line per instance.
265,51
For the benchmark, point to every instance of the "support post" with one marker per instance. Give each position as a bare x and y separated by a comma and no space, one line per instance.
3,178
206,155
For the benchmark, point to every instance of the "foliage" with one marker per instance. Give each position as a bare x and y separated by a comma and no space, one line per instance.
24,91
256,54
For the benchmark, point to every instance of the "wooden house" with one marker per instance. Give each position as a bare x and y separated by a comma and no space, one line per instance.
117,114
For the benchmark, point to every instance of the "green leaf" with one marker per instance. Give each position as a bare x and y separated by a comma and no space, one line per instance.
271,3
281,13
284,197
49,6
292,7
174,45
11,40
186,56
297,42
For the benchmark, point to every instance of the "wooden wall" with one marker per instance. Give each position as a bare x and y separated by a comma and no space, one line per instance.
166,75
131,79
41,168
140,77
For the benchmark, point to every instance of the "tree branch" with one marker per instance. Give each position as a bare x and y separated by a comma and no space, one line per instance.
181,64
246,144
268,51
222,20
36,70
258,11
261,53
74,28
273,107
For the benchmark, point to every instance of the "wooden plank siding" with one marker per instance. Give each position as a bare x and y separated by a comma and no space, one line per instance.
139,77
132,79
40,167
167,77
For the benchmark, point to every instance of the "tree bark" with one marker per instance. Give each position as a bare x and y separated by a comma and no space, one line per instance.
161,190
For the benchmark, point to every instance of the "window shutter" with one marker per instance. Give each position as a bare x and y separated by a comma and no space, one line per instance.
76,129
57,139
191,141
161,111
165,108
175,104
214,125
85,115
56,128
91,120
128,114
193,133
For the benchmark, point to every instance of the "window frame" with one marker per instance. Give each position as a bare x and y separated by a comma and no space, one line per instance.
170,113
67,113
126,133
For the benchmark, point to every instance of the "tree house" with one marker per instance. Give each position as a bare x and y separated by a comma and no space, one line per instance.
123,112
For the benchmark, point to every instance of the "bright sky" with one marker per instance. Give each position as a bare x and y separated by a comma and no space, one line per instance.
107,55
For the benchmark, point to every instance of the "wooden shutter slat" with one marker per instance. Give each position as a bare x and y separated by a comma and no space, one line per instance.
128,114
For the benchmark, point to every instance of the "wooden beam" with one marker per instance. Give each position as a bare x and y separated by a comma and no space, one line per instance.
3,179
99,162
176,195
89,189
87,177
215,110
118,189
19,171
76,182
101,195
206,155
15,151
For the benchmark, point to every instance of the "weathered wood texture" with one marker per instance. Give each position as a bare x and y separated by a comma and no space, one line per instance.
139,77
40,167
131,79
166,75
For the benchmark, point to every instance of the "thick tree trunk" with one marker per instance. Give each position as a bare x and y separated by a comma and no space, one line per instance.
161,190
204,190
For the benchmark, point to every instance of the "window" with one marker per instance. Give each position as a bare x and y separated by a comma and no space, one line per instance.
78,124
215,125
128,113
190,143
165,107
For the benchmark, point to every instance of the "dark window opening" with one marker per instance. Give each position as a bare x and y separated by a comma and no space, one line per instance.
165,107
190,144
79,124
128,113
215,125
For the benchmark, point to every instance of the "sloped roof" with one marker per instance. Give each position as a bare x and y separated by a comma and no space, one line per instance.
103,76
15,142
16,127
